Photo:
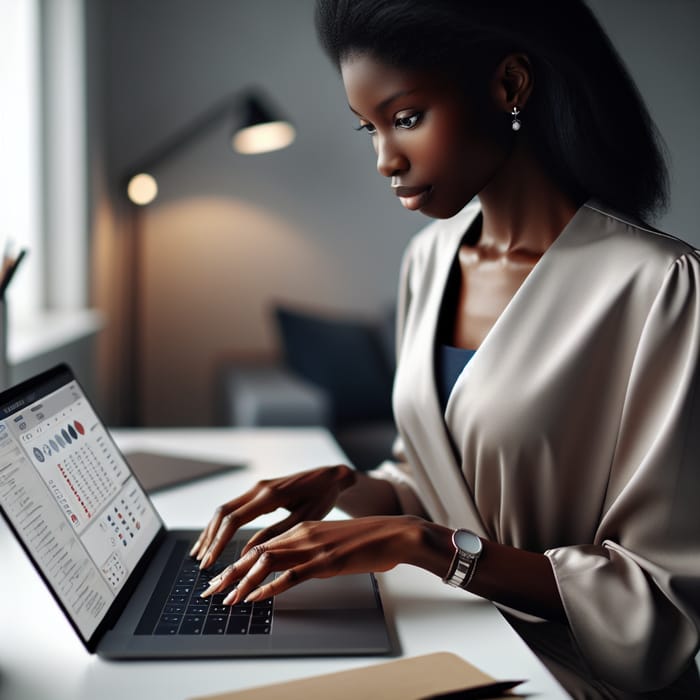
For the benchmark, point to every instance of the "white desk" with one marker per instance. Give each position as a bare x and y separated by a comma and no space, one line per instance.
41,657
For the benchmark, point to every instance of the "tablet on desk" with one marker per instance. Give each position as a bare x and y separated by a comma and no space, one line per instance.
158,470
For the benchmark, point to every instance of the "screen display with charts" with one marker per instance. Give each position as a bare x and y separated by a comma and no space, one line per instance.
72,499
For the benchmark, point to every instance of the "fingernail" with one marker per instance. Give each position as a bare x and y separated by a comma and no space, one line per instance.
205,562
212,587
252,597
194,549
231,597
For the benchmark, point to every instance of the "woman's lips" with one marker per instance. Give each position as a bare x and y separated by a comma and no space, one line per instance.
413,197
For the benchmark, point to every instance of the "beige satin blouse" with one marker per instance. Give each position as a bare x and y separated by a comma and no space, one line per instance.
573,431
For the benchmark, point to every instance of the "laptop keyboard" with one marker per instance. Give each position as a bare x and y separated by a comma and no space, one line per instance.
184,612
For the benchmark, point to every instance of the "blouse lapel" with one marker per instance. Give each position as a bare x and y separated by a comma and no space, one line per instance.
445,490
454,488
502,345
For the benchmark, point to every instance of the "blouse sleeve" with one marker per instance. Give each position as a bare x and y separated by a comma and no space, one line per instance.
633,597
398,470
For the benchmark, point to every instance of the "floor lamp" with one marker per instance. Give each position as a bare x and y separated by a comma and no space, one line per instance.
257,127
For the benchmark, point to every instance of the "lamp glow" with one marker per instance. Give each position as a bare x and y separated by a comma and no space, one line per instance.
142,189
263,138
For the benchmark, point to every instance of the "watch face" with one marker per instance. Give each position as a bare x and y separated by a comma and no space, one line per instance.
467,541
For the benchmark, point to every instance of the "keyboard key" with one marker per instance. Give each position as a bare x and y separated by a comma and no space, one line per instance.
260,628
215,624
192,624
220,610
241,609
214,570
196,609
162,628
177,600
237,625
174,609
170,619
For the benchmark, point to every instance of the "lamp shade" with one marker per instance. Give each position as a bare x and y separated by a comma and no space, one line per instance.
261,129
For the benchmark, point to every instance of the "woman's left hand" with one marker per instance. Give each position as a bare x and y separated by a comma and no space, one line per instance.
319,549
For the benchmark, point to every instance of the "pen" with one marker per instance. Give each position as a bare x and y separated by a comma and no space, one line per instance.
6,258
488,690
10,273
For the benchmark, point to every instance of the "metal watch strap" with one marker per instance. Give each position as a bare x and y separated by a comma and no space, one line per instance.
462,567
462,570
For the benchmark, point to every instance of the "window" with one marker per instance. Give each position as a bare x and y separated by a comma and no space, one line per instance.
21,210
43,178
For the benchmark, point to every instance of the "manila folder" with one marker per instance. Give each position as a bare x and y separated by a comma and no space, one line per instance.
411,678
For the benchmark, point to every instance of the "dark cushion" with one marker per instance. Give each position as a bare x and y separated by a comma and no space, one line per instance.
345,356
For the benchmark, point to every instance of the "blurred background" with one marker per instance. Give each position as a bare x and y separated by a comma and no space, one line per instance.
153,305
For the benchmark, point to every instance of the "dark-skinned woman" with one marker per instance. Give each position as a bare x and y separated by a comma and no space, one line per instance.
547,393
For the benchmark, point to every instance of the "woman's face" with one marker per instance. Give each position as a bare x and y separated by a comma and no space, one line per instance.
436,146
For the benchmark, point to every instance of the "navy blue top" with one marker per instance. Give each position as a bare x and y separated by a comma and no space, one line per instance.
449,363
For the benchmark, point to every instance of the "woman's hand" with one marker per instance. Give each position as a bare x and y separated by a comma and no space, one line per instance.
320,550
308,495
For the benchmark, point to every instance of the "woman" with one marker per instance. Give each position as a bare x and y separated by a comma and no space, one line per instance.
546,394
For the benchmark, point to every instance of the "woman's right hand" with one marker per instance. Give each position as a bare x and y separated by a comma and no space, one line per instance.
308,495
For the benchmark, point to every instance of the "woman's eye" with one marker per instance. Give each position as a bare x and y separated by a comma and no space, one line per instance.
407,122
369,128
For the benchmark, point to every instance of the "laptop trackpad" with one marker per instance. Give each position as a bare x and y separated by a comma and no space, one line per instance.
353,591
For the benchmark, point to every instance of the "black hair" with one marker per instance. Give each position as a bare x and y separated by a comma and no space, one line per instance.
585,117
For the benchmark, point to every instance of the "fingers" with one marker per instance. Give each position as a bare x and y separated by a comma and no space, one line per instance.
204,540
260,563
250,572
224,580
283,582
223,526
232,573
311,549
308,495
273,531
306,513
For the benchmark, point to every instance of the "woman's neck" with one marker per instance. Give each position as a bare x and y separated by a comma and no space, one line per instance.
524,211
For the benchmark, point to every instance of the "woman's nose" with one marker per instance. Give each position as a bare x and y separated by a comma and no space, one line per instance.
390,161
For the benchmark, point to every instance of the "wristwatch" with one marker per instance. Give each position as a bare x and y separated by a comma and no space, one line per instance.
468,549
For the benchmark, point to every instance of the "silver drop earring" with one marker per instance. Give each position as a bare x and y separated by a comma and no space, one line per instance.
515,125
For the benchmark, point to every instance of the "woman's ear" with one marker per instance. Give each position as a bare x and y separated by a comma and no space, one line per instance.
512,82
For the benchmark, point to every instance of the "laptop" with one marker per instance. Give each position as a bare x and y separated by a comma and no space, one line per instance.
125,582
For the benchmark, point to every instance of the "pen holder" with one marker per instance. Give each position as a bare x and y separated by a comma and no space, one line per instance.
4,366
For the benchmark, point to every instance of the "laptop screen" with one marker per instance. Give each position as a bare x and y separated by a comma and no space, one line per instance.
70,496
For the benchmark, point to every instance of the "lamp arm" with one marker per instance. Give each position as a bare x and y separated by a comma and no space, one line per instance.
180,138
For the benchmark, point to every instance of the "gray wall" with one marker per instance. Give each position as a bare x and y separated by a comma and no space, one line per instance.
658,39
314,224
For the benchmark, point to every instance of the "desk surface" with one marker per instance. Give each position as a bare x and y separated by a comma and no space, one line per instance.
41,657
